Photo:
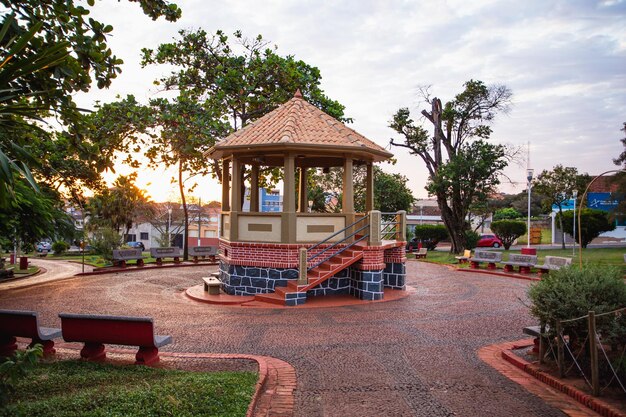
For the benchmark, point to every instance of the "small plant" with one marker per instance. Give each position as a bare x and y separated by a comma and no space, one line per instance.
104,240
16,367
471,239
508,230
60,247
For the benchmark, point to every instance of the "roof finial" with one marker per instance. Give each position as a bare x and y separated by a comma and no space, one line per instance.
298,94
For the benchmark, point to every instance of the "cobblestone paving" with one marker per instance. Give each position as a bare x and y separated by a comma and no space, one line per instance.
412,357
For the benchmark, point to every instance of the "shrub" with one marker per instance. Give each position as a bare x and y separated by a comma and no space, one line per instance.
430,234
104,240
572,292
16,367
508,213
471,239
60,247
592,223
508,230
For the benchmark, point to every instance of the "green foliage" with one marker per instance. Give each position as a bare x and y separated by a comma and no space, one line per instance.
508,230
471,239
390,193
103,240
508,213
78,388
592,224
431,234
60,247
572,292
13,369
463,168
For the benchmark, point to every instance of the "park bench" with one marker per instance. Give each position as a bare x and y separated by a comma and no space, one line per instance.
524,262
95,330
421,253
212,285
553,263
160,253
120,256
539,341
24,324
203,252
487,256
466,255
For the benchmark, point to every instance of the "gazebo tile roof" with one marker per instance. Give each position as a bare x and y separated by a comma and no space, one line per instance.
299,122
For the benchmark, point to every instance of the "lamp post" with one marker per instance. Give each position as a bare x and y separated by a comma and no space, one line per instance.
575,195
169,226
529,177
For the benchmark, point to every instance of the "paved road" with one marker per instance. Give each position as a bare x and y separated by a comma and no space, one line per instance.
54,270
411,357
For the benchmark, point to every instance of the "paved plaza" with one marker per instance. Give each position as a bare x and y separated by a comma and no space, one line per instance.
412,357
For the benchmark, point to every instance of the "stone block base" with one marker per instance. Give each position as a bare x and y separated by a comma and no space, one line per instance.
252,280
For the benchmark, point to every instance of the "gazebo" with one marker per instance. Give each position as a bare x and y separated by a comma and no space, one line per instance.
283,257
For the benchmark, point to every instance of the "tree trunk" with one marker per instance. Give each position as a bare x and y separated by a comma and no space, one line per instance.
453,225
186,213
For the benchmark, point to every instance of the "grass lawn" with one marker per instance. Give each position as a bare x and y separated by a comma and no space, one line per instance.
77,388
29,271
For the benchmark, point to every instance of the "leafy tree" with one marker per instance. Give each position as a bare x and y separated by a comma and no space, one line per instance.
557,187
390,193
119,206
592,224
463,167
508,230
508,213
471,239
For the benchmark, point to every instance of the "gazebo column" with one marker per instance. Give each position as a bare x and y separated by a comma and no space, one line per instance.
288,217
235,197
225,194
254,189
347,202
303,200
369,187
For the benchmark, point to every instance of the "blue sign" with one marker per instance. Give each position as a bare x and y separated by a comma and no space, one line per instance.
565,206
601,201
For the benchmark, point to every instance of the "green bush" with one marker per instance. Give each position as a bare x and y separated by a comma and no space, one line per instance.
471,239
508,230
508,213
104,240
592,223
572,292
430,234
60,247
16,367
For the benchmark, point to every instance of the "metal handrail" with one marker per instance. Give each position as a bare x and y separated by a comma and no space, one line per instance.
339,251
341,231
336,243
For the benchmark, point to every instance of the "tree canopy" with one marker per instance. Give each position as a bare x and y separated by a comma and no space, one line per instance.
463,167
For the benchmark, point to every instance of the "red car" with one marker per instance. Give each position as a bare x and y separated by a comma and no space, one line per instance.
489,241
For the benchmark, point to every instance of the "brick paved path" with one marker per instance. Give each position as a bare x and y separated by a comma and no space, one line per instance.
412,357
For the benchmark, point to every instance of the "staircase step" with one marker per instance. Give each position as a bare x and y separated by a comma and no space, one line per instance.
270,298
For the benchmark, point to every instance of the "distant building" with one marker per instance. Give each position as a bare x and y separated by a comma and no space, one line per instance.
269,200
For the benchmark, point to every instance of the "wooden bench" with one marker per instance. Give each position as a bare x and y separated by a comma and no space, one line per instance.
524,262
24,324
120,256
160,253
212,285
203,252
95,330
553,263
487,256
466,255
421,253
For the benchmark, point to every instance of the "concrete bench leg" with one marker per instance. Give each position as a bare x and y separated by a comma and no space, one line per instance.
8,346
524,270
147,355
491,265
474,265
195,259
159,261
508,268
139,262
177,260
93,352
48,346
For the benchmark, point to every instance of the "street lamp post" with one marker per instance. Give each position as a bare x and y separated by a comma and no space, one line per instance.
529,177
169,226
575,194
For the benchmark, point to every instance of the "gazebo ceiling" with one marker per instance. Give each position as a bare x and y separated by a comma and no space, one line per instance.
298,127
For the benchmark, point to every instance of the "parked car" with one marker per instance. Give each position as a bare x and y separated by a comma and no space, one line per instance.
413,244
489,241
42,246
136,245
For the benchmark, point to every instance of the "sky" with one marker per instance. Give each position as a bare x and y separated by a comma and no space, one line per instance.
565,62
